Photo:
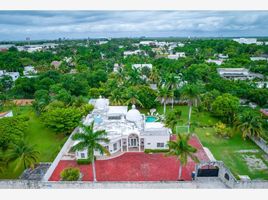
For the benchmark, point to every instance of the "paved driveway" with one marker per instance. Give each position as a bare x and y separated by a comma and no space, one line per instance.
135,166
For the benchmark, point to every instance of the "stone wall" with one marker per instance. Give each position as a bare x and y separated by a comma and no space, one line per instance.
261,143
23,184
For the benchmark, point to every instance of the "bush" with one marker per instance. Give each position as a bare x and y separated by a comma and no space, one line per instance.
83,161
70,174
222,130
156,150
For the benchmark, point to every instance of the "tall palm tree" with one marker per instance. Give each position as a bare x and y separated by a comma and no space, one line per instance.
163,95
116,97
191,93
92,141
182,150
249,124
154,76
132,96
172,82
172,119
25,155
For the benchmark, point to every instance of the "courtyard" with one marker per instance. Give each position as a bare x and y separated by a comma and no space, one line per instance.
135,166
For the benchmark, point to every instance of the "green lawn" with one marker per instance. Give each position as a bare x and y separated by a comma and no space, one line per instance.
46,141
226,150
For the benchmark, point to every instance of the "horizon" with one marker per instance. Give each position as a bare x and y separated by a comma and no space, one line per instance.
51,25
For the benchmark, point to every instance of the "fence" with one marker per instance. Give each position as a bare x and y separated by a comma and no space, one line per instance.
261,143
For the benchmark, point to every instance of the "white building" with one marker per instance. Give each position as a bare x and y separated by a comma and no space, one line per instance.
258,58
221,56
217,62
29,70
148,43
177,55
127,130
237,73
102,42
6,114
13,75
246,40
129,53
140,66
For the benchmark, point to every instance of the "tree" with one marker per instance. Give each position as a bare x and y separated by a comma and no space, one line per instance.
25,155
182,150
132,96
116,97
163,95
191,92
249,123
147,96
172,83
92,141
62,120
172,119
225,107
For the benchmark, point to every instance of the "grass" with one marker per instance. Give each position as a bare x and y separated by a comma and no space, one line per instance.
226,150
45,140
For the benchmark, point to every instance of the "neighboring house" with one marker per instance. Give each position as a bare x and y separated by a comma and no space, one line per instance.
258,58
136,52
237,73
177,55
148,43
56,64
140,66
102,42
13,75
222,56
246,40
127,130
217,62
29,70
6,114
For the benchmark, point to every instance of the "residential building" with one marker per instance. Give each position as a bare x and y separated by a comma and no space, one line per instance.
13,75
237,73
258,58
127,130
140,66
217,62
6,114
29,70
246,40
177,55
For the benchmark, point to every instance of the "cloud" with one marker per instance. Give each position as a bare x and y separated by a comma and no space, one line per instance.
17,25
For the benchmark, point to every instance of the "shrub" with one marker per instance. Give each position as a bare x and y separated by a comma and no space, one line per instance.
70,174
83,161
222,130
156,150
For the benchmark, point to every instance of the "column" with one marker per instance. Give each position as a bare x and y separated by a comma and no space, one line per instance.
139,144
127,144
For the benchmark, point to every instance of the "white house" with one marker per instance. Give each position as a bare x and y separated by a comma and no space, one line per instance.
13,75
6,114
127,130
129,53
222,56
217,62
148,43
29,70
140,66
246,40
177,55
258,58
237,73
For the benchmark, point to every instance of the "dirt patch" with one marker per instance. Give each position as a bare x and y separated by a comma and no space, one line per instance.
254,163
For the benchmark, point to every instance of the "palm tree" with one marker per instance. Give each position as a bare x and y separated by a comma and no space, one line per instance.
249,124
132,96
182,150
163,95
25,155
154,76
172,118
116,97
172,84
91,140
191,93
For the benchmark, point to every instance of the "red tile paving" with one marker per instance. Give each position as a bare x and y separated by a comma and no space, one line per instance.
135,166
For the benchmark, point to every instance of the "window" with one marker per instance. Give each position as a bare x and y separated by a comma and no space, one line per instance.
115,146
82,155
160,145
114,117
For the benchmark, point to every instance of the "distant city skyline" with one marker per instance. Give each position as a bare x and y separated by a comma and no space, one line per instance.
41,25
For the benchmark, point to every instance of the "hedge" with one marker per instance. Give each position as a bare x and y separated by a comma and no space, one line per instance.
156,150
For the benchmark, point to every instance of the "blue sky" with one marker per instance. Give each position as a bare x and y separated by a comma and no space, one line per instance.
17,25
